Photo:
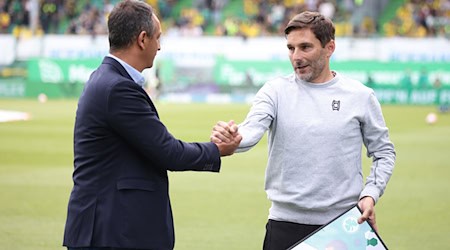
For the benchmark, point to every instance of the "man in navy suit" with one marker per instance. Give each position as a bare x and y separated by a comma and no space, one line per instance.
122,151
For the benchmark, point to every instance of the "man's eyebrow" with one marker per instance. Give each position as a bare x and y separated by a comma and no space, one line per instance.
301,43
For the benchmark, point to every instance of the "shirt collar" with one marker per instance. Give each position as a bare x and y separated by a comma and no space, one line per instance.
135,75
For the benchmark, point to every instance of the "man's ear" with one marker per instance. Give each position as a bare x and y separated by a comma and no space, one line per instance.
141,39
331,46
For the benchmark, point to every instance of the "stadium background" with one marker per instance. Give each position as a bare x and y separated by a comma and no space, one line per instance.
224,50
215,55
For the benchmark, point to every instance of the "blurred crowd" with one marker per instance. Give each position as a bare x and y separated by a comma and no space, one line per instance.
246,18
419,18
37,17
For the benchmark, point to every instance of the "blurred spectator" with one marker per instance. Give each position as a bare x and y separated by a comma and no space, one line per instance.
91,22
406,81
231,27
327,8
49,17
5,19
219,30
19,13
107,8
249,28
165,8
423,81
217,9
276,16
190,23
365,16
191,29
172,29
370,82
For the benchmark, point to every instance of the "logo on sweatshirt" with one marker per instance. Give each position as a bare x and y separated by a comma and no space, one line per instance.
335,105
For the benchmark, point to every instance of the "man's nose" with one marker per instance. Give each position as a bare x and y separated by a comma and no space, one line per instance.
297,54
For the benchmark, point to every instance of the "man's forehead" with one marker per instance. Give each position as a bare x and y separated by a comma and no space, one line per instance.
301,36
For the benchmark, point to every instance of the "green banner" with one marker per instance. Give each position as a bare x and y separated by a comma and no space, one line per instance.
394,83
388,95
406,75
241,73
12,87
57,77
399,74
13,80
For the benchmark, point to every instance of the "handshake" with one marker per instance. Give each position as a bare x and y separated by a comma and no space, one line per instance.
226,136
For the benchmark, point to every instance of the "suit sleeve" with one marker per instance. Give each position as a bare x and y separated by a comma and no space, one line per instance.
133,118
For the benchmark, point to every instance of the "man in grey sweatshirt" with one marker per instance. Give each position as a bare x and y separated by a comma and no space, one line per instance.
317,121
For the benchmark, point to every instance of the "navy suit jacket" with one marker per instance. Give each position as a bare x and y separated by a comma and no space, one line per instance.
122,153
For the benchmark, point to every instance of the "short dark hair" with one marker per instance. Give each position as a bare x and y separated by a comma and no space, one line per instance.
127,20
322,27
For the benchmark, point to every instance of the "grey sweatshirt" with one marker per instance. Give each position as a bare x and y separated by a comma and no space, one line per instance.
316,133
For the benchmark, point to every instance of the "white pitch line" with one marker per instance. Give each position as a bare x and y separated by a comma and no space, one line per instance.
9,116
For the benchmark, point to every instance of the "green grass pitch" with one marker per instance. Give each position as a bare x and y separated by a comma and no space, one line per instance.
215,211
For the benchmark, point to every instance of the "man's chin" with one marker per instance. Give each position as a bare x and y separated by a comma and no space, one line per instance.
303,76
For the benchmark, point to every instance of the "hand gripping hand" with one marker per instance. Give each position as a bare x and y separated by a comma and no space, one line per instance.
226,137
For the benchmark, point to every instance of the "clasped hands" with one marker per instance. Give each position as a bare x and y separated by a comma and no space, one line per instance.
226,136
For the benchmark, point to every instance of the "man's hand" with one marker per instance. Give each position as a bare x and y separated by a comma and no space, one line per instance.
226,137
367,205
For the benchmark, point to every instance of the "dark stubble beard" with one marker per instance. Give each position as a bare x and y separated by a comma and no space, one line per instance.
316,67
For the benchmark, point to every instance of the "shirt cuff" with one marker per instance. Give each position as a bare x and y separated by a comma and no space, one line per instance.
372,192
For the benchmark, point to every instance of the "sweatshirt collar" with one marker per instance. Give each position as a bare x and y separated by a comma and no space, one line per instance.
334,80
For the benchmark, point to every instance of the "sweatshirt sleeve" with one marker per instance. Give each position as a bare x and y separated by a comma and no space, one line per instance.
259,118
379,148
